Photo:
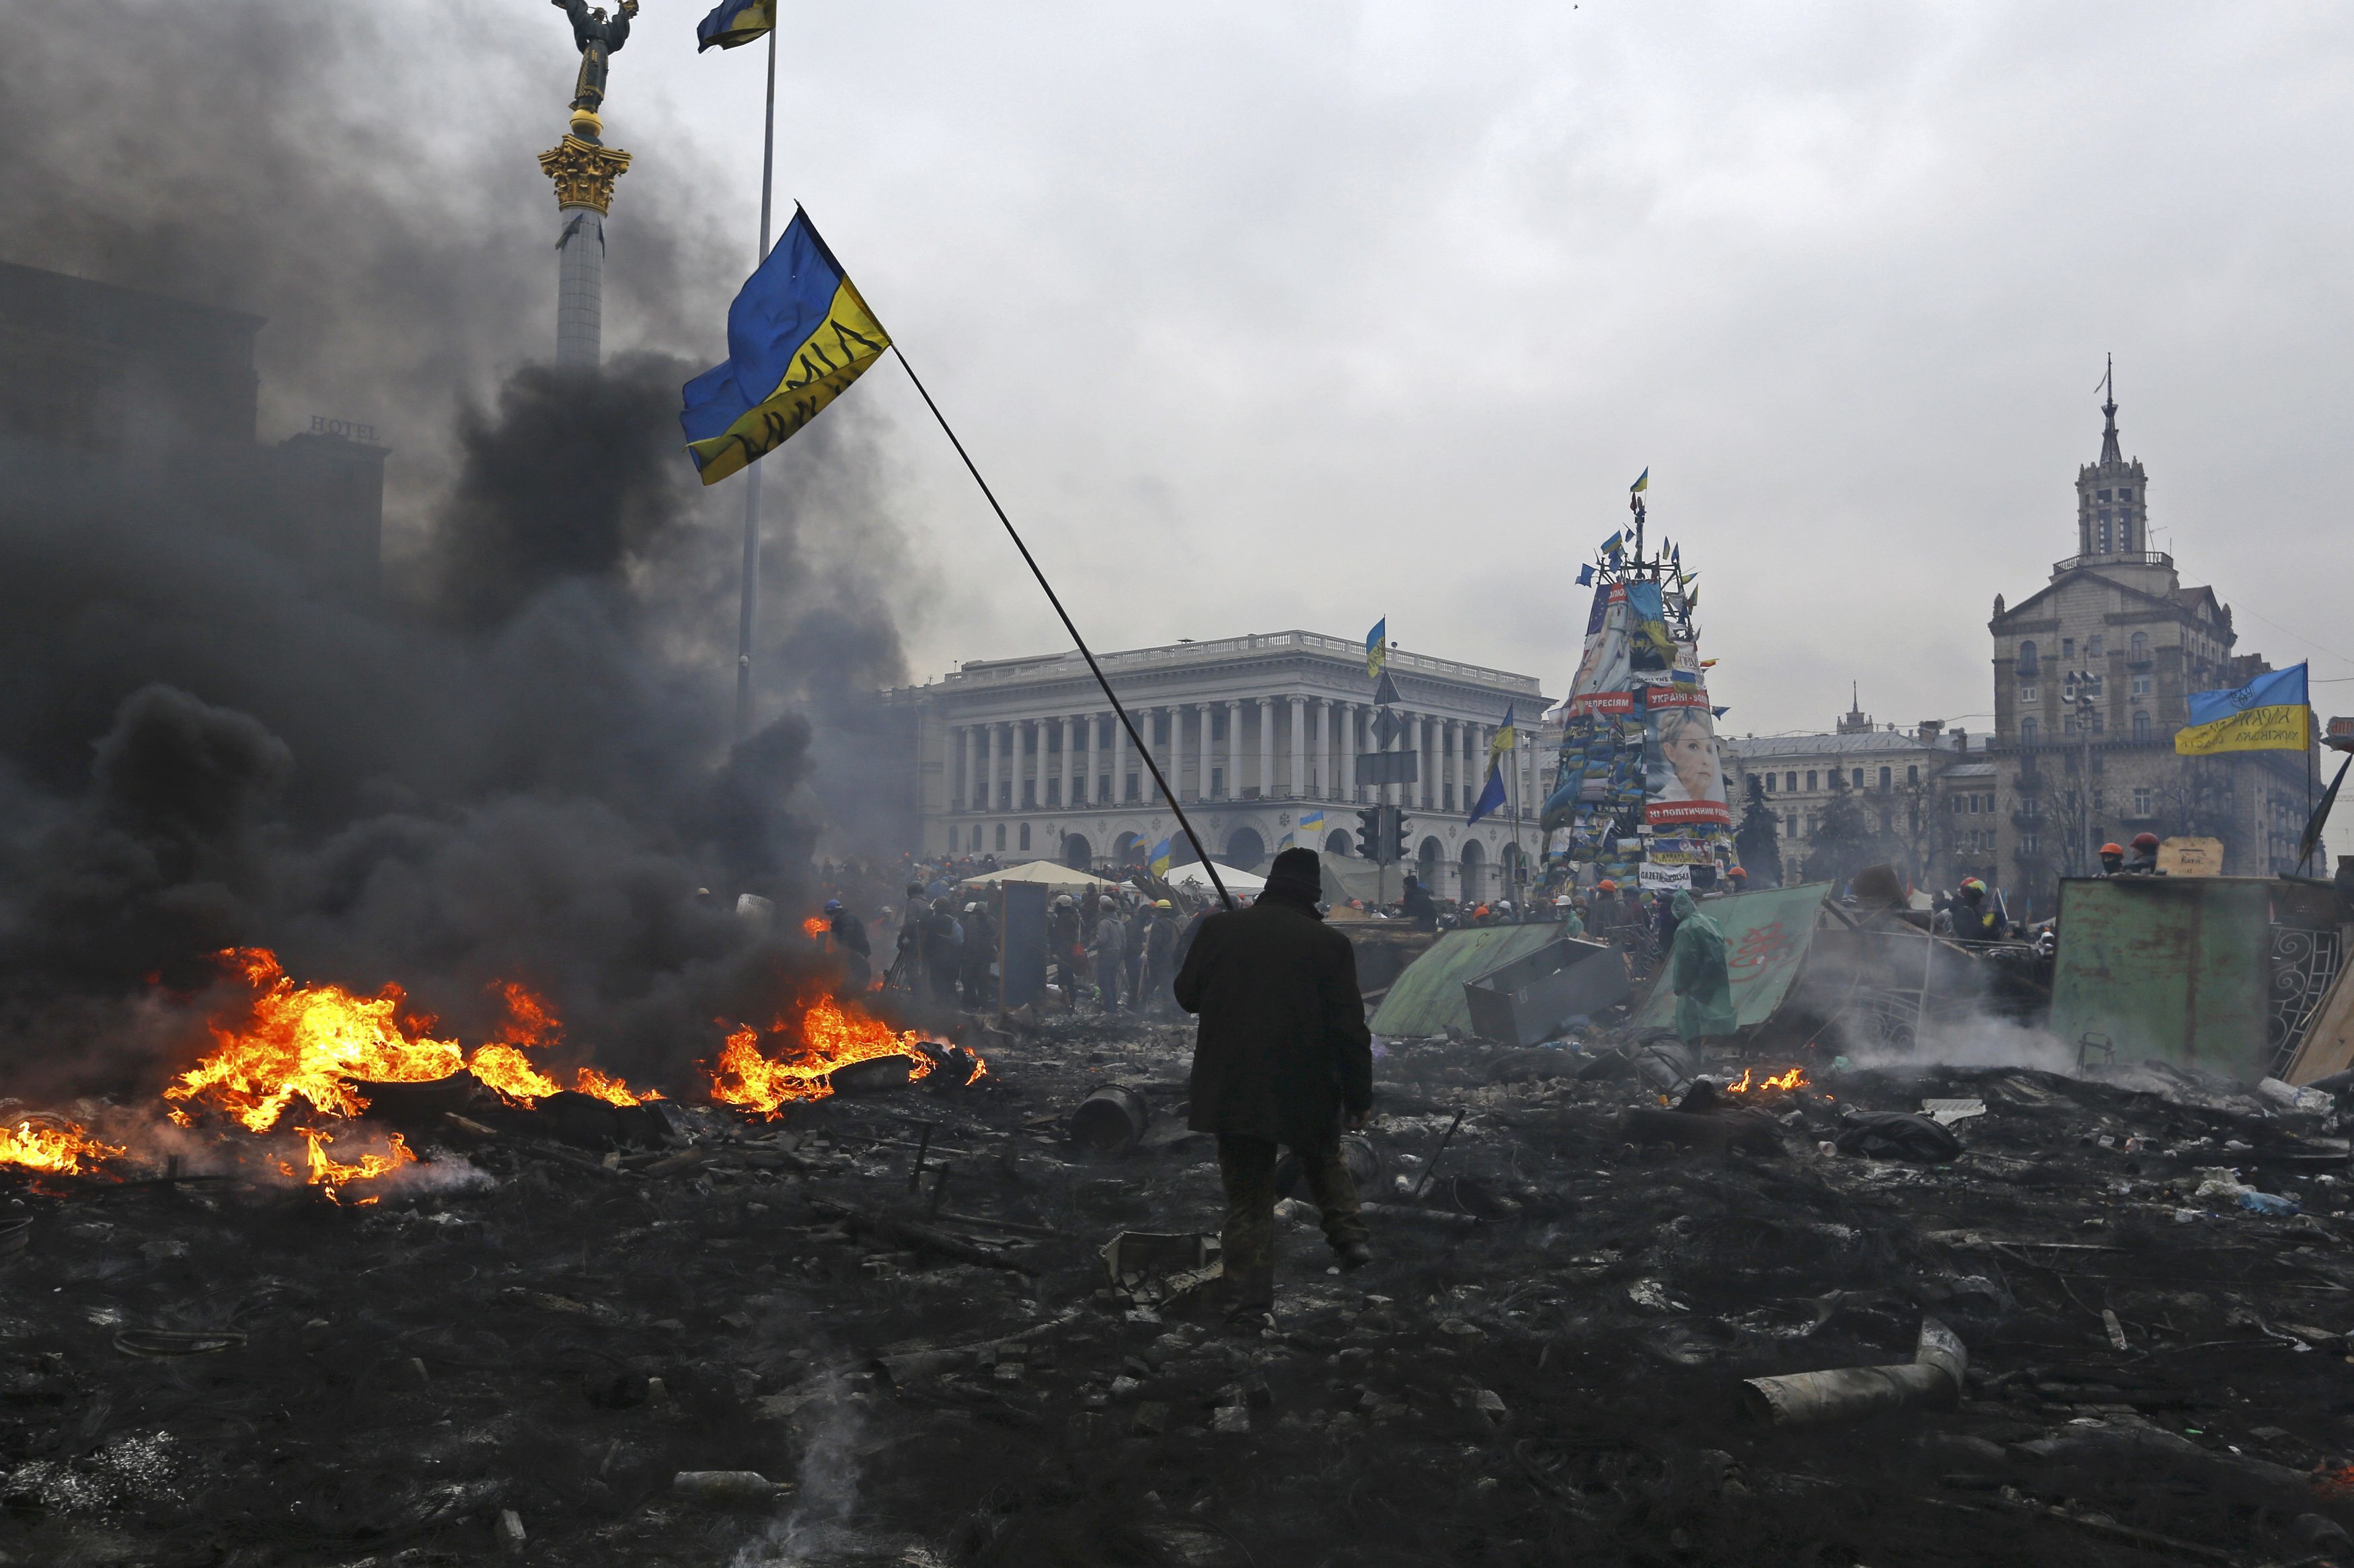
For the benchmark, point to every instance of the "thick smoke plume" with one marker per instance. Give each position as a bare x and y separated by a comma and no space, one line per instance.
515,765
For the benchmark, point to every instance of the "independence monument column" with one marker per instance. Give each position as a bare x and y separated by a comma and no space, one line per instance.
584,169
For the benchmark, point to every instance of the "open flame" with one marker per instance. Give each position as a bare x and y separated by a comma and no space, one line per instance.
1795,1078
816,926
329,1174
829,1036
59,1150
314,1043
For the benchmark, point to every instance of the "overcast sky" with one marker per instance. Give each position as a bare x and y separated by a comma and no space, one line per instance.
1262,316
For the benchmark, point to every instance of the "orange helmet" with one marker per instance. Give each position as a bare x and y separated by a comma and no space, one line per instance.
1606,885
2144,841
1736,871
2111,849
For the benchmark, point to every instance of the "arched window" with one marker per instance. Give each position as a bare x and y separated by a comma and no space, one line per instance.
1026,835
2027,665
2030,731
2141,727
2140,648
1000,835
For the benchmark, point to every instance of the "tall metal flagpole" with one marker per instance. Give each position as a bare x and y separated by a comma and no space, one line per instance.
752,486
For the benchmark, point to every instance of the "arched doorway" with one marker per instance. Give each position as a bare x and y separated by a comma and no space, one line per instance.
1336,843
1077,854
1428,860
1245,849
1471,868
1128,849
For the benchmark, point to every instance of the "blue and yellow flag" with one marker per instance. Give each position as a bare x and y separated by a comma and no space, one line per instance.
1642,481
797,335
1507,737
1377,647
1309,833
2268,714
1491,798
1160,858
1610,547
734,22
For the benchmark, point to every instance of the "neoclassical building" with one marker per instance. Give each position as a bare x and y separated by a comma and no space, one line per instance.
1258,736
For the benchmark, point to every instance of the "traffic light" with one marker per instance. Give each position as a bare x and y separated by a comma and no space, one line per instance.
1399,822
1369,833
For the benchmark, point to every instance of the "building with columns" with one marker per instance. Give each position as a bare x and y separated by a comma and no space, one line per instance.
1258,736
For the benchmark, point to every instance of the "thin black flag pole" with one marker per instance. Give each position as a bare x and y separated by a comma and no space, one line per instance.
1054,598
750,608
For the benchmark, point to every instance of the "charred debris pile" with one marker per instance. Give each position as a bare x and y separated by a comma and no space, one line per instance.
971,1318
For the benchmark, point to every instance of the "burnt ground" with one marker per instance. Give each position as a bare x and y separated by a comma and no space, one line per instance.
522,1328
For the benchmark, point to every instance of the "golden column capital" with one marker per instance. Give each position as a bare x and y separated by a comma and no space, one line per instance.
584,173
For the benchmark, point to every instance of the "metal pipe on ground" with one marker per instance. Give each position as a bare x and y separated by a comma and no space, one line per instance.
1934,1377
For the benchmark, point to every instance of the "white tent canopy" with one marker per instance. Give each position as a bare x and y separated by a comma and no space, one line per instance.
1046,871
1192,877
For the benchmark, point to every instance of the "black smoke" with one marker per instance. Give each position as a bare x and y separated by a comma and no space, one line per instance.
515,765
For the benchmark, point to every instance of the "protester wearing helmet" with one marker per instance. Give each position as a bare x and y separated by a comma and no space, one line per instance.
2144,856
2113,860
1974,919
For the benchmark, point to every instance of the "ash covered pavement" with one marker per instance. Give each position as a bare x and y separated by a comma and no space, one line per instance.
516,1353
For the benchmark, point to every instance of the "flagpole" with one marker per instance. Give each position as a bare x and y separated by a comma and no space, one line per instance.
1117,708
751,573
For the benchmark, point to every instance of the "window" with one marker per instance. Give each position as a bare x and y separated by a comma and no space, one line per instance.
1913,774
2092,648
1217,783
1132,792
2030,731
976,838
2141,800
1004,797
2068,726
2124,535
2100,722
1217,724
1790,783
1810,778
1054,791
1026,835
2141,686
1103,790
2100,495
2138,649
1857,778
2027,660
2125,495
2030,806
1029,794
1973,800
2030,694
1886,776
1000,835
2141,727
2101,535
2027,844
1956,801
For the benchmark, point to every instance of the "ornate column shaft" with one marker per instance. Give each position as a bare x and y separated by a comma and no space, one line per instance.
584,173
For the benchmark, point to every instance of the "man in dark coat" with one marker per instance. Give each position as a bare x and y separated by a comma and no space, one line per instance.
850,943
1282,1057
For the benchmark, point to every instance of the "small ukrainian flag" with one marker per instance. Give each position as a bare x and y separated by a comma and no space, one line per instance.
1162,856
1377,647
1507,737
734,22
1642,481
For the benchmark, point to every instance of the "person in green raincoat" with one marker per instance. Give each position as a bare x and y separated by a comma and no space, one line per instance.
1697,974
1564,909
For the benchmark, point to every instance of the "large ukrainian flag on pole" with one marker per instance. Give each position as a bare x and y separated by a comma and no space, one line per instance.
798,334
2268,714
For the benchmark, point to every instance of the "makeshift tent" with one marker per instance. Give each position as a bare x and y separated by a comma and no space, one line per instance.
1346,878
1194,879
1766,935
1046,871
1428,996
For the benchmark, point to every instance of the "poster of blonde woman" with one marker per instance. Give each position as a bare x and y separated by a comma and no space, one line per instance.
1683,776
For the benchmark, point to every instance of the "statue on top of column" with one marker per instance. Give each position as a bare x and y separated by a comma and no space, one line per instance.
597,36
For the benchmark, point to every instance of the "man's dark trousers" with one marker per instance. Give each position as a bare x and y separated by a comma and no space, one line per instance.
1246,1167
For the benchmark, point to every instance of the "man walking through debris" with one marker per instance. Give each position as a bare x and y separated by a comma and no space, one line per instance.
1282,1056
1160,958
1698,973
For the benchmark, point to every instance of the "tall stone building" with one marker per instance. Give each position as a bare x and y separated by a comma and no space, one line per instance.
2092,674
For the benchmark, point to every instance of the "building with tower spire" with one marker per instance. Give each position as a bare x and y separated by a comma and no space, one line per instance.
2092,674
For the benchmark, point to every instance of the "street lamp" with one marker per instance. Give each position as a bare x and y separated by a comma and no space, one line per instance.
2083,703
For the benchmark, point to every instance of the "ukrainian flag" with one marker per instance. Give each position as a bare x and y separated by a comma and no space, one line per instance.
1309,833
734,22
1507,737
1491,798
1377,647
1161,856
797,335
2268,714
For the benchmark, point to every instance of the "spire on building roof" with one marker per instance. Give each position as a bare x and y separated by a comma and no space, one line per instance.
2109,452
